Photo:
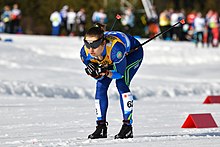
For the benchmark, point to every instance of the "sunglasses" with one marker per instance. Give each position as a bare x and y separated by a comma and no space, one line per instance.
93,44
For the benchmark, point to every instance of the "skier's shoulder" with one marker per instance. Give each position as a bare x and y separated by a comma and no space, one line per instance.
123,39
117,52
117,34
83,51
113,38
85,57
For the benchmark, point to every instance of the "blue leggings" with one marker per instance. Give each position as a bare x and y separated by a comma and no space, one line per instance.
134,61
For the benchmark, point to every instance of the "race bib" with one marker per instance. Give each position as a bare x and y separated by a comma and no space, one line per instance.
98,109
128,102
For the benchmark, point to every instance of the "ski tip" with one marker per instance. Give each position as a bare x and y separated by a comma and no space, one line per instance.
182,21
118,16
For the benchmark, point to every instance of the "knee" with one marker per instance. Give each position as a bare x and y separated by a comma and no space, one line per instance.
121,86
102,86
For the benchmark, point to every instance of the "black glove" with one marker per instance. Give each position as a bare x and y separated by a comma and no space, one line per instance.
94,70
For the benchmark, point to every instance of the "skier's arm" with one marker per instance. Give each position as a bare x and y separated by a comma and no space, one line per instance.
83,56
119,61
92,69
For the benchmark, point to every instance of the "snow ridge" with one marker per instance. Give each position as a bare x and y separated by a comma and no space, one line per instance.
27,89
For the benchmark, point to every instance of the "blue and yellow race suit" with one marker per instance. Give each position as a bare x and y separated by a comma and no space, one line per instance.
125,65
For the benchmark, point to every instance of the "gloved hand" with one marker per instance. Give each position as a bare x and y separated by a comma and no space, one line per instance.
95,70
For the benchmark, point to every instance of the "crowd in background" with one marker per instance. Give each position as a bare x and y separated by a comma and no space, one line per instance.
10,19
198,28
69,22
201,29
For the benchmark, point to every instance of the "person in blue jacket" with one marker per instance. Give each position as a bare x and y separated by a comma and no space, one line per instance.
111,55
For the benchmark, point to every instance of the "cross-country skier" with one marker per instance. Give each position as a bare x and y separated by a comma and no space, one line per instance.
111,55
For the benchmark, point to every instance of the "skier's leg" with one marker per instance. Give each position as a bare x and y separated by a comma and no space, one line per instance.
134,61
126,101
101,105
126,98
101,98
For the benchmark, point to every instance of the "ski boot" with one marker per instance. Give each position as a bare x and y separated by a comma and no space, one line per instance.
100,132
125,132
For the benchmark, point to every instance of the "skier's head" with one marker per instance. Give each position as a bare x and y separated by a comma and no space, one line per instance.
94,40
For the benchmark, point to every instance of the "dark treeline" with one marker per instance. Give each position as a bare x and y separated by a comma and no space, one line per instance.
188,5
36,13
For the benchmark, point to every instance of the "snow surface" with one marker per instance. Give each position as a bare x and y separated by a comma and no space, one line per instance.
46,99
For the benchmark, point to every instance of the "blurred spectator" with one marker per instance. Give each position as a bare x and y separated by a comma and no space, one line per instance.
182,15
99,17
71,22
56,19
188,27
15,19
208,36
214,25
6,19
143,19
199,27
63,14
164,23
128,19
177,30
81,21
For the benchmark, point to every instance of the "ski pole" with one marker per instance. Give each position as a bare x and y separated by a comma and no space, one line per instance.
117,18
179,22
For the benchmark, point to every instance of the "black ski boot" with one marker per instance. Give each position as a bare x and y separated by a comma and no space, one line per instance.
125,132
101,130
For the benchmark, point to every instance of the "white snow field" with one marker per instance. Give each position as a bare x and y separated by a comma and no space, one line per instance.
46,99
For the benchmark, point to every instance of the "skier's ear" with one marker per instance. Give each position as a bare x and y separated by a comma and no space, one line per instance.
103,42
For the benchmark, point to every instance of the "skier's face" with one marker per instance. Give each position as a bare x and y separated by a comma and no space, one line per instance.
94,45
